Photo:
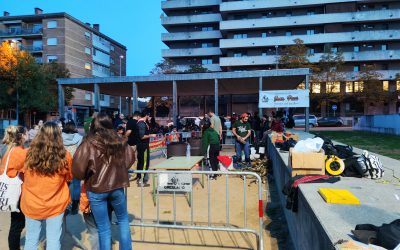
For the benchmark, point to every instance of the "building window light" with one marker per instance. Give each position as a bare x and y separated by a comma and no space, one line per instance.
349,87
88,66
385,85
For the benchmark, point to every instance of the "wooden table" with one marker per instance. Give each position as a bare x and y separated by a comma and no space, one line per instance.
181,163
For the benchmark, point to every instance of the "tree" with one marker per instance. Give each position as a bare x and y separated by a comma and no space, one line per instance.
295,56
166,66
196,68
52,71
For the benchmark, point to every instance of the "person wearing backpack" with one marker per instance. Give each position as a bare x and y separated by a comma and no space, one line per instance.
71,140
15,153
45,192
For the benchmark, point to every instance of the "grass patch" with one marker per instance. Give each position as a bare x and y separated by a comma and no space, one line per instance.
387,145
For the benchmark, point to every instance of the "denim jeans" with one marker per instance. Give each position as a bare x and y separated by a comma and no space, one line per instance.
53,232
75,189
98,203
242,147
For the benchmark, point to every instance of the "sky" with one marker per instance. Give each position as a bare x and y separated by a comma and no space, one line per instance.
134,23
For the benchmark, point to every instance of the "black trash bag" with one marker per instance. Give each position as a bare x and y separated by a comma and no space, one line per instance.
344,151
286,145
387,235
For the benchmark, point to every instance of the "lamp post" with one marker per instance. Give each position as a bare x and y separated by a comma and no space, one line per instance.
14,45
276,56
120,74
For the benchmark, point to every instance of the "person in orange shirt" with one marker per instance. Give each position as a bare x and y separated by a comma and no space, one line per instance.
45,192
13,141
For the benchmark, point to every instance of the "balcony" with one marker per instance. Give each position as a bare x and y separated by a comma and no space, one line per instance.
363,56
20,32
342,37
210,67
182,4
201,18
196,35
240,6
99,71
169,53
101,43
386,74
32,48
293,21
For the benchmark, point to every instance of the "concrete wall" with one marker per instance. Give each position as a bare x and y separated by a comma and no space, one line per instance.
388,124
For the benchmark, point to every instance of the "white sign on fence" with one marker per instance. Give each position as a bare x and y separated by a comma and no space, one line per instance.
298,98
175,182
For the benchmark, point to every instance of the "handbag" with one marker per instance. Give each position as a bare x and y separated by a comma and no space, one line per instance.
10,190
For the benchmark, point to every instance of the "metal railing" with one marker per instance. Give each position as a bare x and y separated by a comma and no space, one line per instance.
192,225
16,32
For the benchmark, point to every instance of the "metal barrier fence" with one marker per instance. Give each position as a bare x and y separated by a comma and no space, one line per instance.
171,178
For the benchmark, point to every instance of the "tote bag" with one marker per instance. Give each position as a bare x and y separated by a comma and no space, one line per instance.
10,190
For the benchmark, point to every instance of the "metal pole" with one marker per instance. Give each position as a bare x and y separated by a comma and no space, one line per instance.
120,104
97,97
216,97
134,97
276,57
307,110
61,100
174,103
260,86
120,74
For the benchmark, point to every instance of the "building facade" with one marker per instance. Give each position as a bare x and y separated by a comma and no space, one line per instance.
237,35
85,51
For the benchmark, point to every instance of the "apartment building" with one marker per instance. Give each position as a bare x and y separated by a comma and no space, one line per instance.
59,37
237,35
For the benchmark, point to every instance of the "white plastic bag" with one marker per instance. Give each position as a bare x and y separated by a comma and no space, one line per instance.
10,190
309,145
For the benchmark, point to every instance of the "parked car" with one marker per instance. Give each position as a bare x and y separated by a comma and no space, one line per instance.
330,121
300,120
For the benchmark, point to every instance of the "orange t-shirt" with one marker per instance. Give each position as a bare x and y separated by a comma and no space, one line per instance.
44,197
16,163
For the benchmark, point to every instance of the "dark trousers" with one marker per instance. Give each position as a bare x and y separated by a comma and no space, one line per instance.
143,158
213,154
16,227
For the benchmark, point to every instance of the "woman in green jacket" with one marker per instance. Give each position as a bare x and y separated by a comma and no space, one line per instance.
211,138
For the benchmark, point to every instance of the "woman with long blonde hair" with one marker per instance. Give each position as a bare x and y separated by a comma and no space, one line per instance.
45,192
13,150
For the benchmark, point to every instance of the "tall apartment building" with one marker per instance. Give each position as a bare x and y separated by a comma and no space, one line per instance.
235,35
59,37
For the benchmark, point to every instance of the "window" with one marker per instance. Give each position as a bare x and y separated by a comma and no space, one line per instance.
385,85
264,54
370,46
333,87
385,26
112,61
264,34
112,48
356,48
112,100
88,66
52,24
356,68
239,36
37,27
357,27
334,49
102,97
264,15
88,51
358,86
398,85
288,33
384,47
51,58
349,87
370,26
207,45
239,54
240,17
52,41
88,96
385,7
311,32
37,45
385,66
311,51
87,34
207,29
288,13
310,12
316,88
206,61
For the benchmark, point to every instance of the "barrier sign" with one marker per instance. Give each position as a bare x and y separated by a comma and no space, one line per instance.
284,99
175,182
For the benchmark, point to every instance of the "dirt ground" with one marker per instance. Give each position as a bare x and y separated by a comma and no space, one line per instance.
171,239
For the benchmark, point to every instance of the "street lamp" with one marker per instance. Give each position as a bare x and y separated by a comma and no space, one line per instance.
276,56
120,74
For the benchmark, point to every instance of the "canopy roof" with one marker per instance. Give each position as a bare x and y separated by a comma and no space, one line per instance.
243,82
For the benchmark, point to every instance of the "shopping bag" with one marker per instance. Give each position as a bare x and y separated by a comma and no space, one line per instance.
10,190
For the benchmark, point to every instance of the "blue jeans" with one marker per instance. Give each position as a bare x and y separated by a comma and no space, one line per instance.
75,189
53,233
98,204
242,147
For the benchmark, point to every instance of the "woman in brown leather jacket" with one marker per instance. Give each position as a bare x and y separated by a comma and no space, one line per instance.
102,161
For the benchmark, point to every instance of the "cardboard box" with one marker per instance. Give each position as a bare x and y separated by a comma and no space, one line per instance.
307,163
